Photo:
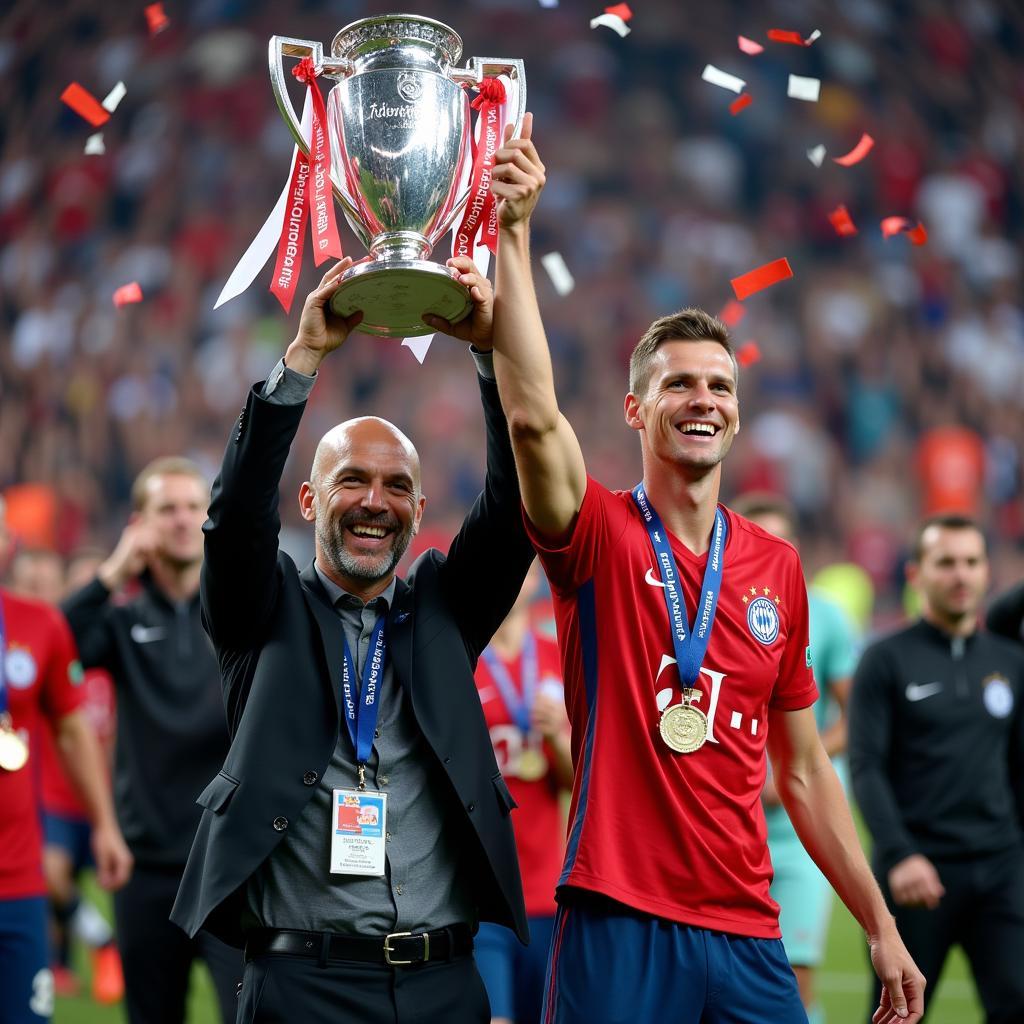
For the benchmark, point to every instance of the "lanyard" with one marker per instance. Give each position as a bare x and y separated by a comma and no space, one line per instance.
690,644
518,707
361,709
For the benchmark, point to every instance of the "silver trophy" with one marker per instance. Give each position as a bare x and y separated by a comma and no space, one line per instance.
399,126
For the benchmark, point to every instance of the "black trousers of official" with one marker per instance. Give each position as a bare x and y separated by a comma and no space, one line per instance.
157,955
983,912
282,989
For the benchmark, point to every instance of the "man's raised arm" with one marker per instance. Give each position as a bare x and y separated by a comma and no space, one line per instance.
552,475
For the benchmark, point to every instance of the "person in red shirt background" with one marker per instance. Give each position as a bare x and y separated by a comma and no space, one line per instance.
40,682
520,685
40,574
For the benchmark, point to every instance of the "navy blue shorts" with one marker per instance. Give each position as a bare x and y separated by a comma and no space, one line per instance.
26,982
513,973
619,967
71,834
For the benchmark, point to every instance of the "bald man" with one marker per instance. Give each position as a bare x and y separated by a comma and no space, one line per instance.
360,827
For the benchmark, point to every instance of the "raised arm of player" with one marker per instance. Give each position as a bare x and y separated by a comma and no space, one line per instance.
552,475
816,805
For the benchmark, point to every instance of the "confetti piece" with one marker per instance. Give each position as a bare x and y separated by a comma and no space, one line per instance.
817,155
94,145
749,46
813,37
781,35
722,79
918,235
858,152
842,221
128,293
559,273
732,313
619,11
114,97
801,88
748,354
418,346
156,19
549,3
83,103
741,103
612,21
762,277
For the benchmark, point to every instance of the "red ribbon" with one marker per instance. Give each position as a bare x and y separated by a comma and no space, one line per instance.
309,195
481,216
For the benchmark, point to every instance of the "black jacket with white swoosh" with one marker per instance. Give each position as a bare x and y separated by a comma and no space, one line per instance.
936,745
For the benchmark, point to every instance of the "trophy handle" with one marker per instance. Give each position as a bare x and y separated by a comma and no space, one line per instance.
478,69
286,46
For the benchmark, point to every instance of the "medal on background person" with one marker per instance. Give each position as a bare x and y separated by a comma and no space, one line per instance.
13,749
530,764
684,727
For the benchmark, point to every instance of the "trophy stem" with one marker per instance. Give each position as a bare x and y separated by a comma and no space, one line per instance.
390,246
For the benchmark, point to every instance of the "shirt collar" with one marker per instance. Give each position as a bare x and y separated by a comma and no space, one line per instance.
338,594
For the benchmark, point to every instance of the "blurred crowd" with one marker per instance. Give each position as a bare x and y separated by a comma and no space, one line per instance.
891,378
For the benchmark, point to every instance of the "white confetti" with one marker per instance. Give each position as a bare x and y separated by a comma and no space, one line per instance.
723,79
114,97
817,155
549,3
418,346
559,273
612,21
816,34
801,88
94,145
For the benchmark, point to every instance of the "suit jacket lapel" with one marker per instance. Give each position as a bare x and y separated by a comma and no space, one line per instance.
400,634
332,636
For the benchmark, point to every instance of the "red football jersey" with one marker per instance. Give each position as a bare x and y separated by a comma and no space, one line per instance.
43,680
681,836
538,821
98,705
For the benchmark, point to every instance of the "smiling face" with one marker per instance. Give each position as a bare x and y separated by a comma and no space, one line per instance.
689,413
364,497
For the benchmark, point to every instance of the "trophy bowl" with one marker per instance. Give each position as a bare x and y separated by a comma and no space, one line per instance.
399,128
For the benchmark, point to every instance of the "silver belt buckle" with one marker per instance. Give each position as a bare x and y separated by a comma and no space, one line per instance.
388,949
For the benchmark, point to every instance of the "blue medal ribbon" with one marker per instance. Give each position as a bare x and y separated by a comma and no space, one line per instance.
518,707
361,710
690,643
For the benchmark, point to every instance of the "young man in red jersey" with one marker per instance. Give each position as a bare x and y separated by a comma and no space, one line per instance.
40,684
519,680
664,905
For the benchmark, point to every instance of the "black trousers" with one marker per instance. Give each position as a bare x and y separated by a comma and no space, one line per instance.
158,955
982,911
281,989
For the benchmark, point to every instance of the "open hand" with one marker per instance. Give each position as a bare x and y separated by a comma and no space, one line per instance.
518,176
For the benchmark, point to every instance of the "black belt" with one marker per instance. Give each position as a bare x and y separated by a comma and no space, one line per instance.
396,949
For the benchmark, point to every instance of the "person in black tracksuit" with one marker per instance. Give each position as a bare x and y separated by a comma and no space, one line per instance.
1006,614
171,731
936,748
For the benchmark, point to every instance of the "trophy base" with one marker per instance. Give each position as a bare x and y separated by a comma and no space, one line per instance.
393,297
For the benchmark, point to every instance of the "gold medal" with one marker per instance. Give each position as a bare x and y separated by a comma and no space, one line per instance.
531,765
13,749
684,728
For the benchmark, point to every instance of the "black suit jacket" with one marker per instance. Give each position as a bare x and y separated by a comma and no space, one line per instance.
280,644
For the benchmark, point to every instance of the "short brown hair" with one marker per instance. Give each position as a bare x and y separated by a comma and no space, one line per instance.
755,504
945,521
690,324
165,465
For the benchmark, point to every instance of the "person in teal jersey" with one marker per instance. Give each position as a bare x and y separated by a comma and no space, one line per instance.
800,889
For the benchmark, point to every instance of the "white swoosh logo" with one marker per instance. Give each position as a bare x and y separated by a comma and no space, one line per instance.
147,634
916,692
652,580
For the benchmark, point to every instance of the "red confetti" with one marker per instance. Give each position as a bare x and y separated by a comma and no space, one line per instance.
858,152
749,46
748,354
740,103
918,235
842,221
620,11
781,35
763,277
128,293
732,313
156,19
83,103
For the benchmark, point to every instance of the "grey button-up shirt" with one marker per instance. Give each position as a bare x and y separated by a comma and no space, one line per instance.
422,887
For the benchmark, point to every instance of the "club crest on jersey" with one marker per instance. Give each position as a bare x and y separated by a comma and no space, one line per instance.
20,668
997,695
762,615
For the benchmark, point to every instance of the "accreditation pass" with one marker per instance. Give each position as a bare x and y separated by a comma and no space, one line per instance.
357,832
